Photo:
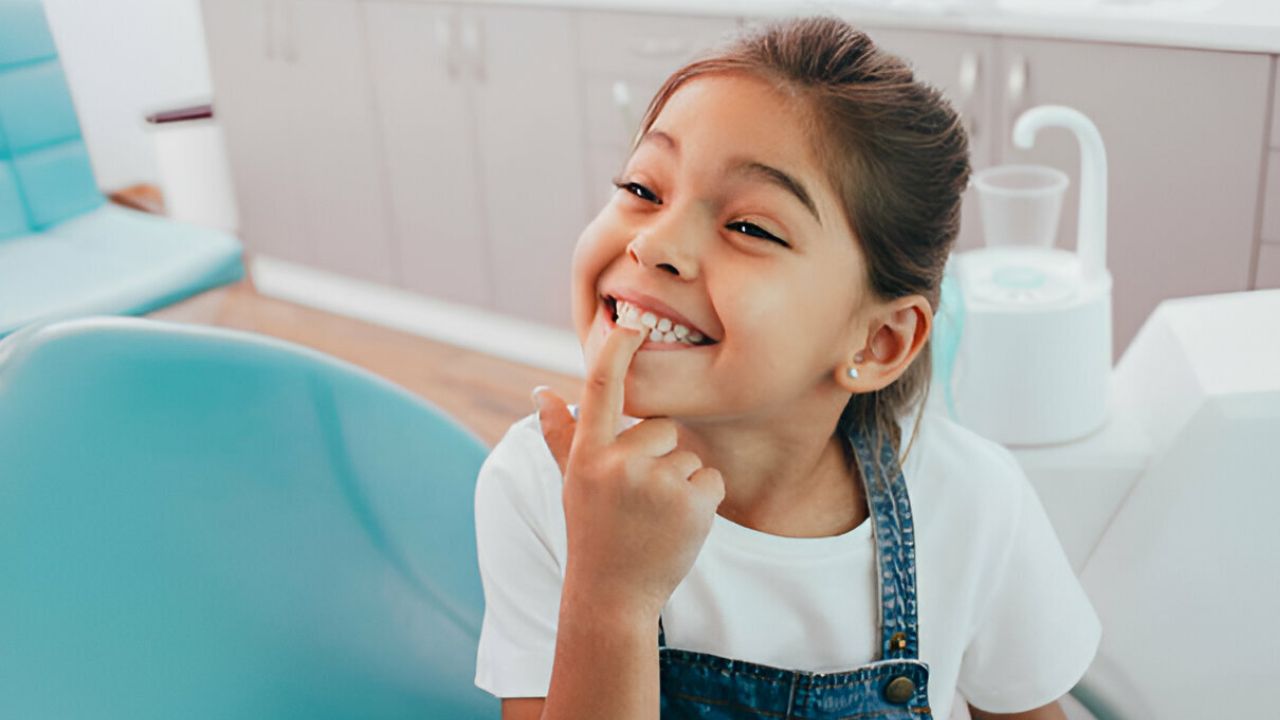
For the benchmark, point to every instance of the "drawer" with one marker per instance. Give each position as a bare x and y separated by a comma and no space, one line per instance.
1271,199
1268,277
628,44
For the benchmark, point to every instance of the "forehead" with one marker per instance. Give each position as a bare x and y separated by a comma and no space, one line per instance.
739,114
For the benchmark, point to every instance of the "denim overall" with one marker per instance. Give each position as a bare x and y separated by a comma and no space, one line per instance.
701,685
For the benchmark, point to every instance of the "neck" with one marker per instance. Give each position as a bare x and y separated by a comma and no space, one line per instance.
786,474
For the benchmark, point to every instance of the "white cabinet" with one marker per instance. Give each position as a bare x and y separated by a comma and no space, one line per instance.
344,193
529,133
480,117
422,85
291,86
252,81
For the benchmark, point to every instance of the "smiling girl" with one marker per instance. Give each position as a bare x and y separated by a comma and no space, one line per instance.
749,515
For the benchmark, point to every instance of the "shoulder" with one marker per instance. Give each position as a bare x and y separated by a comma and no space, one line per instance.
519,479
959,478
975,463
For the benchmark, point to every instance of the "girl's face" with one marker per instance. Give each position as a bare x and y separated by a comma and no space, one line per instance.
724,222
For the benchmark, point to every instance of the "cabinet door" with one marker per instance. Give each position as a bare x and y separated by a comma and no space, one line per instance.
1183,131
429,147
529,134
251,78
963,68
344,206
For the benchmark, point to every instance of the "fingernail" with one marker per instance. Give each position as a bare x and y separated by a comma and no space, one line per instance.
537,399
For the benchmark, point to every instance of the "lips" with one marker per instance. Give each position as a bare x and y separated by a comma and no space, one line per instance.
657,307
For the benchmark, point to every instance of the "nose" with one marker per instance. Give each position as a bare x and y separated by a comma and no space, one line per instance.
665,252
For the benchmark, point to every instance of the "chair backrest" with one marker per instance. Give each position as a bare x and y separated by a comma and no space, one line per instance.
202,523
45,175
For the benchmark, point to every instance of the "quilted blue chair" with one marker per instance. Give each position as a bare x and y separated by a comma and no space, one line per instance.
201,523
64,251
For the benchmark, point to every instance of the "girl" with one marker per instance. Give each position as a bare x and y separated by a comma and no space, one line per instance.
727,526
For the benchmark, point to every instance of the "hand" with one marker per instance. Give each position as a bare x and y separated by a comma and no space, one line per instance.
637,510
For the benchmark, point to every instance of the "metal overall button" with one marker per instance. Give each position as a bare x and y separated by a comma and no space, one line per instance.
899,690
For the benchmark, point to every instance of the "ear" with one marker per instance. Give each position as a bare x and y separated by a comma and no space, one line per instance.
896,333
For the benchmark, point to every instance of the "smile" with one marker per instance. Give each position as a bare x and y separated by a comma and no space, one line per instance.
661,330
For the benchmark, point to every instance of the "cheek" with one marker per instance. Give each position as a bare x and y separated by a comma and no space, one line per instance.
591,256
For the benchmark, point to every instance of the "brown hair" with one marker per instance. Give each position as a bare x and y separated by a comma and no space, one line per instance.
895,152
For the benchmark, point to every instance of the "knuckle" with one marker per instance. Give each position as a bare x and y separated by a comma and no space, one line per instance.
671,468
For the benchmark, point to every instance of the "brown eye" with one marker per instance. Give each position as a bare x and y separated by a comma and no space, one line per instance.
638,190
754,230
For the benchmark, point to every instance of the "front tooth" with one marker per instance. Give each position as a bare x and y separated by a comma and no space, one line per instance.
649,320
664,324
669,337
681,331
695,336
655,335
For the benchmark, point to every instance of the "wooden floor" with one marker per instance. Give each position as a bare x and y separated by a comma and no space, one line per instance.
483,392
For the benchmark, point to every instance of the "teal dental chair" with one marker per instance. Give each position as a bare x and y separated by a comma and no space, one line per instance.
64,251
201,523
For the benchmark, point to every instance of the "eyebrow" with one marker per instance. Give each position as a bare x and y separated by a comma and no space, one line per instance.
774,176
749,168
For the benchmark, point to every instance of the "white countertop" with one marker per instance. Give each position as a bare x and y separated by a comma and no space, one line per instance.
1232,25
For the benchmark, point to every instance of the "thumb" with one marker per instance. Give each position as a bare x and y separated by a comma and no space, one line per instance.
708,485
557,424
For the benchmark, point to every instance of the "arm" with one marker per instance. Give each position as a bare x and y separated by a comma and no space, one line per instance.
606,662
1052,711
637,511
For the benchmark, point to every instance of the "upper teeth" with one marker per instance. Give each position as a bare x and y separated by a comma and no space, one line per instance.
661,329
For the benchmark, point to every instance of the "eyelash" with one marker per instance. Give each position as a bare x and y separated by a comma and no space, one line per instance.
763,234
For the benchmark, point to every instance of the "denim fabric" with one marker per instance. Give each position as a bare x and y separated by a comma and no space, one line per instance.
701,685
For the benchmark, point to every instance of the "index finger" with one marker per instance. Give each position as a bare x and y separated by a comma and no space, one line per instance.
602,395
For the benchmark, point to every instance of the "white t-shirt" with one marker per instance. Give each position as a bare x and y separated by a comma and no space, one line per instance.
1003,619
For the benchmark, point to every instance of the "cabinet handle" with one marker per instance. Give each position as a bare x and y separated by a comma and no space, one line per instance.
1018,82
444,37
473,44
660,47
970,75
622,101
1016,88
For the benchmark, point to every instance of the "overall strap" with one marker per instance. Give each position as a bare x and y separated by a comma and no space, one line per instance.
890,510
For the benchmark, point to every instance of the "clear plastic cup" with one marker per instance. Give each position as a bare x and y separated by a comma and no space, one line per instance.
1020,204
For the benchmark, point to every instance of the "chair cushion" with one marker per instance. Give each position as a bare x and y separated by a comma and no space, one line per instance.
206,524
111,260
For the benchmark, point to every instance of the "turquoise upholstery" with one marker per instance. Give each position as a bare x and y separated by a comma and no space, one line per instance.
63,250
201,523
948,327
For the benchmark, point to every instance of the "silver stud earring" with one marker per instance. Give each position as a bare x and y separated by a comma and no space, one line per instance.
853,373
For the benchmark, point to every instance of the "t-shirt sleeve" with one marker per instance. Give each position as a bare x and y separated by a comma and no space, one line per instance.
519,568
1038,632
